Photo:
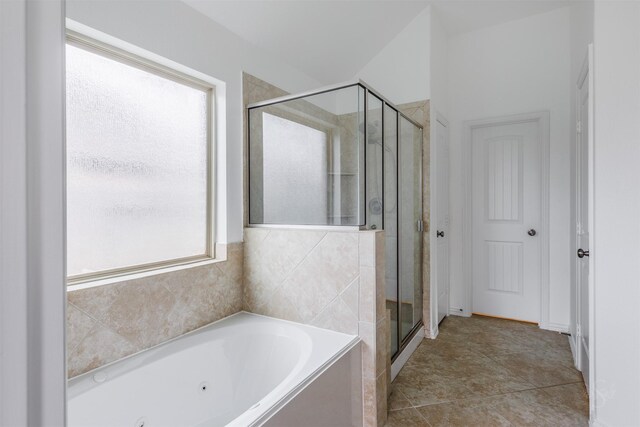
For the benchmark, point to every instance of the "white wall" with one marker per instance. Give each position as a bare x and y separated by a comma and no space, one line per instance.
177,32
516,67
581,35
400,71
13,216
438,67
615,248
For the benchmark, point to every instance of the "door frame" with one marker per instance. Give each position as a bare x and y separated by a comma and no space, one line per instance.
542,118
33,295
439,117
586,72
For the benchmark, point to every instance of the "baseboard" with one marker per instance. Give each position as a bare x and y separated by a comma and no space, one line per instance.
406,353
574,353
457,312
557,327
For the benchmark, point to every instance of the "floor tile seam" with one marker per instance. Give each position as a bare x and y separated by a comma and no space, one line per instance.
466,378
477,397
481,357
540,387
522,351
514,374
414,408
405,397
558,385
496,364
421,416
528,390
501,364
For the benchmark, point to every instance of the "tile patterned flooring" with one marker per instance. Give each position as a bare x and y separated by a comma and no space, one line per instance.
482,371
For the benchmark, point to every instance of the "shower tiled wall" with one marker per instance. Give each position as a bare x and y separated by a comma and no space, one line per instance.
329,279
253,90
109,322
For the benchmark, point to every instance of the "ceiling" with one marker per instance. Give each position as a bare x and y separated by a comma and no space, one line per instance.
332,41
462,16
328,40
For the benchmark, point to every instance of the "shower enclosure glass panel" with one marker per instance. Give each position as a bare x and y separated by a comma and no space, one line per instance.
345,157
374,163
306,160
410,225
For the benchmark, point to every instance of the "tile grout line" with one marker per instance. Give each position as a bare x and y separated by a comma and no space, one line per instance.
104,325
295,267
290,272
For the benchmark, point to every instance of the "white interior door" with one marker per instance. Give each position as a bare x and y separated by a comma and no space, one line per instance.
442,218
582,221
506,216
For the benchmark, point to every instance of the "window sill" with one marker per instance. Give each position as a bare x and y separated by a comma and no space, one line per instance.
220,256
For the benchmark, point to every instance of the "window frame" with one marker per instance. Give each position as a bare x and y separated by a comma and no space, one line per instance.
108,51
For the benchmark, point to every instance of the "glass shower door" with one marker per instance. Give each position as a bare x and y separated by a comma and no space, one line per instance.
390,164
410,226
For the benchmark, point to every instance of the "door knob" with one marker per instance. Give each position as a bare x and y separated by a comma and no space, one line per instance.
582,254
439,233
532,232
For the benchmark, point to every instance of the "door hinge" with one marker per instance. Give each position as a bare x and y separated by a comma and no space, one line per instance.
579,127
578,331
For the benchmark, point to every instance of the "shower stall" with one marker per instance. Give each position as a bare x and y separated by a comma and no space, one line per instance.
344,157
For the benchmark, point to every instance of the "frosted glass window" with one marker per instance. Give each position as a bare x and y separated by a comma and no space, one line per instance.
295,173
137,162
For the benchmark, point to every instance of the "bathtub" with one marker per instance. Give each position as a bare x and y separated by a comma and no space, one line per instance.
244,370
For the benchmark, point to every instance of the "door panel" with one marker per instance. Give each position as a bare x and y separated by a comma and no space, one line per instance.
442,219
506,216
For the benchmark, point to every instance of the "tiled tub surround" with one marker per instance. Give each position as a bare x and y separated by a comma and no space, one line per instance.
329,279
106,323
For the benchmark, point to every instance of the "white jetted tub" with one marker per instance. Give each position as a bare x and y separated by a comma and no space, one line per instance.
244,370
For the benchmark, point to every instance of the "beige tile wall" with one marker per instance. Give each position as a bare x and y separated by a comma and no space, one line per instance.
109,322
329,279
